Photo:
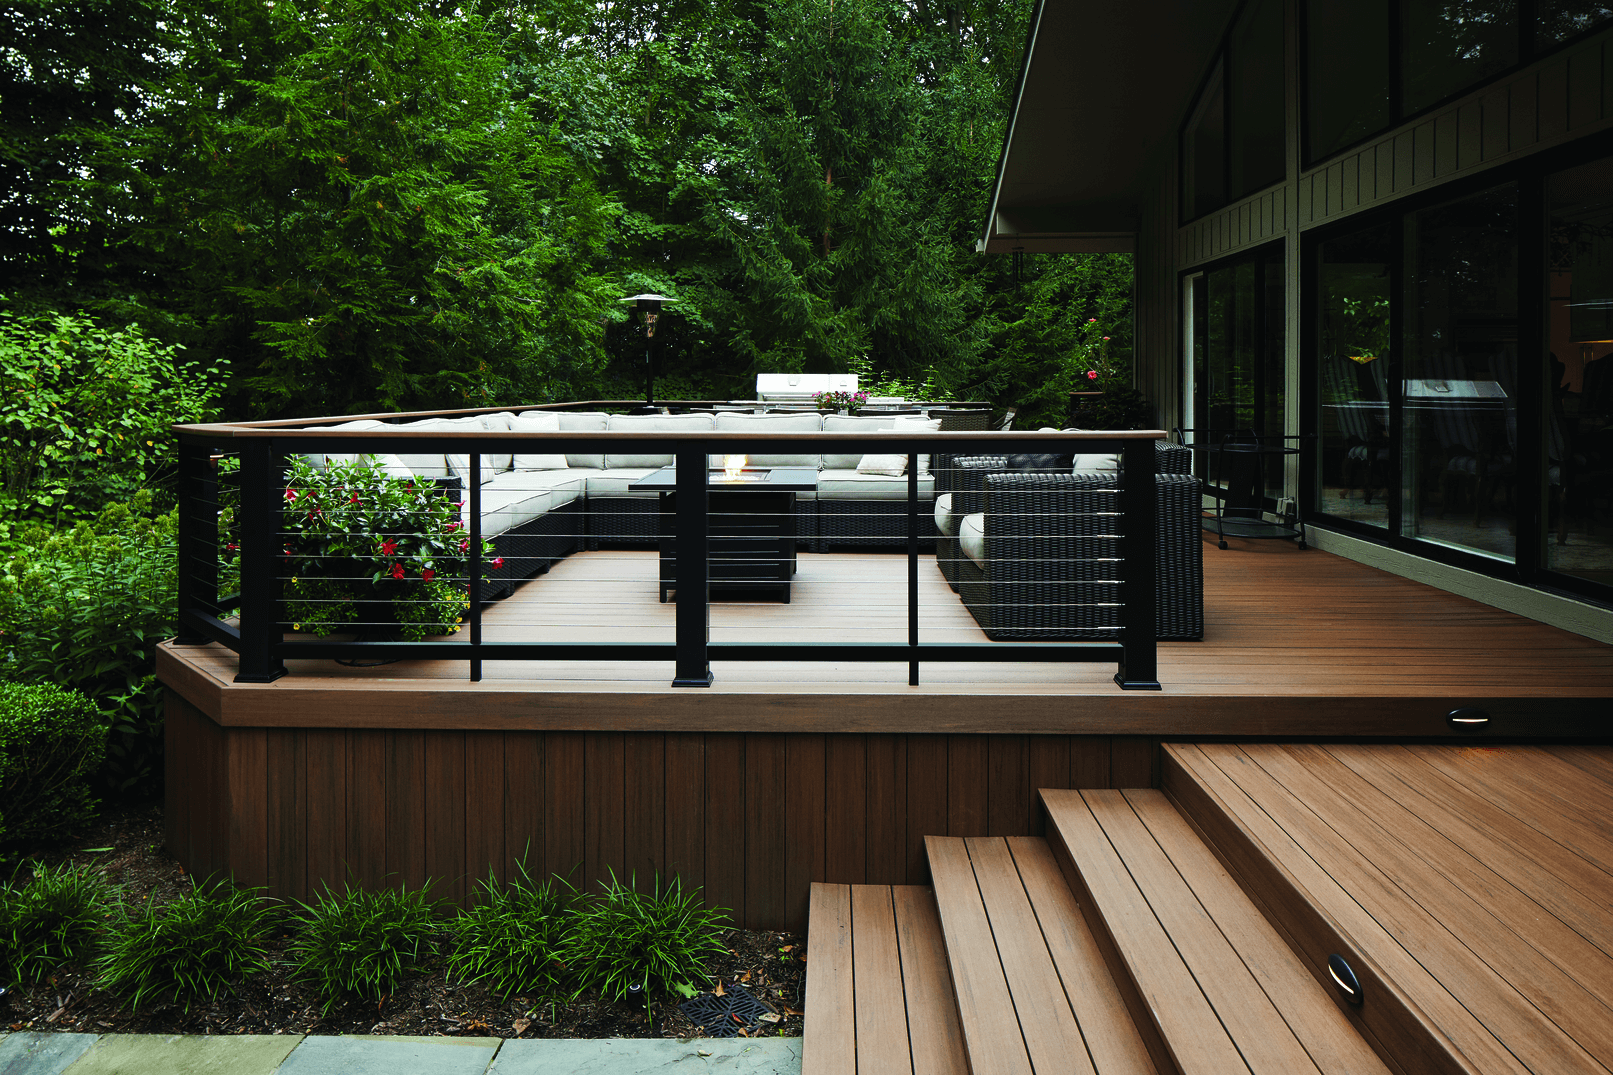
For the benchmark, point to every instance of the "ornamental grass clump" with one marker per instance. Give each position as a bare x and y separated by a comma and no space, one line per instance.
51,918
657,940
192,948
361,943
51,741
515,939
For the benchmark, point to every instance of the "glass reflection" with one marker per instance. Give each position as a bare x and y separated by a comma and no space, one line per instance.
1447,45
1559,20
1579,418
1238,345
1459,389
1354,359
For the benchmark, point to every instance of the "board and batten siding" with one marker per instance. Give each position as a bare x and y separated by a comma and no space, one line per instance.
1564,97
752,819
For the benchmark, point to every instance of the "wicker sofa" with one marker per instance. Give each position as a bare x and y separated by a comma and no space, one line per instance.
1031,554
539,508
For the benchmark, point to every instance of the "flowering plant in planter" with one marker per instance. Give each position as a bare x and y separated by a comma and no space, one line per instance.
851,401
364,546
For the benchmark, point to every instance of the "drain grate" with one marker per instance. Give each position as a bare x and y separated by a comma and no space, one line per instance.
724,1016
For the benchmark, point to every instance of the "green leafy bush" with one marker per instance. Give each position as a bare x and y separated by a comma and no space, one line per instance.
86,412
51,740
516,938
191,948
658,940
360,943
54,918
85,608
361,541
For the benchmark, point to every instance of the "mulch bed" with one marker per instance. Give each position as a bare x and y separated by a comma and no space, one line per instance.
126,846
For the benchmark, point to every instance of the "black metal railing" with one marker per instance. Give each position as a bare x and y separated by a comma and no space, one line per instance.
233,481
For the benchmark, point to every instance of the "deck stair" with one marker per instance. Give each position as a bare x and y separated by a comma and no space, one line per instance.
1188,929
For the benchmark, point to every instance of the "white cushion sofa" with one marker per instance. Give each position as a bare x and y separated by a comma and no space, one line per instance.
537,508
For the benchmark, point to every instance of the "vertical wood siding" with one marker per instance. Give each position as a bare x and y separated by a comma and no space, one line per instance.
754,819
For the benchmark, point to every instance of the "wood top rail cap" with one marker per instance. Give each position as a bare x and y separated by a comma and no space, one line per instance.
255,430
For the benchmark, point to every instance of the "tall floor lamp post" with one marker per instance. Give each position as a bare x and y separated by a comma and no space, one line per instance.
649,308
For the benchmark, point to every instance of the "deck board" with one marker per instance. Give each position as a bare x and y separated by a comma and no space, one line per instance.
1283,628
1484,950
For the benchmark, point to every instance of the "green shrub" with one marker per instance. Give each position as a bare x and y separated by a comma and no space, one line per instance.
51,740
657,940
85,608
515,939
360,943
191,948
53,919
86,413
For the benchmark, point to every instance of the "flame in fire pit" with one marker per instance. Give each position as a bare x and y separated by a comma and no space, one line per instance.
733,467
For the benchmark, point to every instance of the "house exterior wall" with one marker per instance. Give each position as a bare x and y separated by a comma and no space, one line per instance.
1562,99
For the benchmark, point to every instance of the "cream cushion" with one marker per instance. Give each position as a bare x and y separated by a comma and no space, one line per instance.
584,422
945,522
773,423
839,423
972,537
321,460
536,422
854,485
652,423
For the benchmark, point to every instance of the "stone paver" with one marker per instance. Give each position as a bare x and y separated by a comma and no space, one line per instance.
185,1054
650,1056
362,1054
41,1054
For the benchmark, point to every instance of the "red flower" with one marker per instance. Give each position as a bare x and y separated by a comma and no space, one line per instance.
397,571
231,547
452,527
463,545
353,499
388,548
1092,320
498,561
427,574
1092,375
291,494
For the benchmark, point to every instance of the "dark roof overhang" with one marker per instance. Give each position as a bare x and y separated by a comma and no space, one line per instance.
1102,92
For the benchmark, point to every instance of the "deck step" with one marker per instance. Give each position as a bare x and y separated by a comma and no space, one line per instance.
1467,887
1034,994
1213,986
879,995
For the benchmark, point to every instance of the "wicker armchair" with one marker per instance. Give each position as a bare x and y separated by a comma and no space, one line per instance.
1047,572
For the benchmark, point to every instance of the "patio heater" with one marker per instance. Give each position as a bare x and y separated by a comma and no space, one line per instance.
649,308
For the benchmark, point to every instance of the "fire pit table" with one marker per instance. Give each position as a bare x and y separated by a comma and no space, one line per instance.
752,535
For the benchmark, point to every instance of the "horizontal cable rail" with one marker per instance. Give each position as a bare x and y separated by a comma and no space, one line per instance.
274,566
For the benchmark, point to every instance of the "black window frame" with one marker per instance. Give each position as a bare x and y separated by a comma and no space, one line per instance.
1215,71
1531,174
1528,53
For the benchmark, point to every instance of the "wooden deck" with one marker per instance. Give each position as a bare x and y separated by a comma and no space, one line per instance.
1284,630
1190,930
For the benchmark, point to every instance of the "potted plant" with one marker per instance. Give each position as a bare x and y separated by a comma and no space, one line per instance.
841,400
367,548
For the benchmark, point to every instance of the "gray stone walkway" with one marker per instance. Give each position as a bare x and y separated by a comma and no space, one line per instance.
294,1054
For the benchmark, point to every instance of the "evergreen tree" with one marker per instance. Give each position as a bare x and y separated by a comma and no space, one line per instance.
361,214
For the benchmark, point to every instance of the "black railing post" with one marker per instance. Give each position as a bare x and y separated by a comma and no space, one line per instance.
474,496
1139,664
913,565
197,570
262,552
693,632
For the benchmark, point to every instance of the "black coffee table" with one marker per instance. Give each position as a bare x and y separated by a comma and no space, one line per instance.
751,527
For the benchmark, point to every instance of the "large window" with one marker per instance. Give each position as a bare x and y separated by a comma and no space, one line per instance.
1369,63
1237,351
1459,385
1578,422
1452,408
1355,368
1233,143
